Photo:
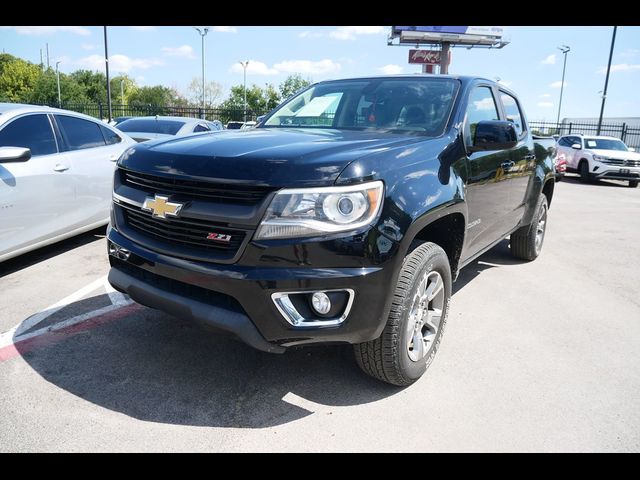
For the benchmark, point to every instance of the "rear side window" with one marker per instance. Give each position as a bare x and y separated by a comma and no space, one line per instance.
513,113
31,131
201,128
110,136
151,125
482,106
80,133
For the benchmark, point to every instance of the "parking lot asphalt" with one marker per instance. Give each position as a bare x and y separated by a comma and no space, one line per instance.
539,356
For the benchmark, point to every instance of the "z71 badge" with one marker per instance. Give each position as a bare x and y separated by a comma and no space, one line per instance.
219,237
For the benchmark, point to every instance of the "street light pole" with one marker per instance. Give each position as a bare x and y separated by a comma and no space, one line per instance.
203,33
244,67
106,63
122,91
564,49
58,80
606,82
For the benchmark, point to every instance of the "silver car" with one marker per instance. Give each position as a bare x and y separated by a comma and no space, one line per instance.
142,129
56,175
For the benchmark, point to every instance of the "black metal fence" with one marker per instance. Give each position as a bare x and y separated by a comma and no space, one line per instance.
99,110
628,134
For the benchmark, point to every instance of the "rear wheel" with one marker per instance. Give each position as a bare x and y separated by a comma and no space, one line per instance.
633,183
585,176
526,242
411,337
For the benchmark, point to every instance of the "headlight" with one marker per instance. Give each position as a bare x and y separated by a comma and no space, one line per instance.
598,158
306,212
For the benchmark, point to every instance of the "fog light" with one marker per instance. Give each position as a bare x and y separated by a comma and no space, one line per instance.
321,303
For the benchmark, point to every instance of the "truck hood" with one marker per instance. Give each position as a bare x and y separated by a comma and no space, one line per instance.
263,156
616,154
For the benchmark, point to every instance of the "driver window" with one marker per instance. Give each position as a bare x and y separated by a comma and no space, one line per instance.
482,106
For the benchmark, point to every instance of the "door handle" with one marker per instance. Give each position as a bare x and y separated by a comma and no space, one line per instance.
60,167
506,165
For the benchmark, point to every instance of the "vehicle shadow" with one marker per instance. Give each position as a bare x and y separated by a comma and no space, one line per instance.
498,256
41,254
157,368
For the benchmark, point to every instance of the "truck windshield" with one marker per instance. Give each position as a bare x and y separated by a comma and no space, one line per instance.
412,105
605,144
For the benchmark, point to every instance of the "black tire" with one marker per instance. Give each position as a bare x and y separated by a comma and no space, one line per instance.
387,357
523,241
633,183
585,176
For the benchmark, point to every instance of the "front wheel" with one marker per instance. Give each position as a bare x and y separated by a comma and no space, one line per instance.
585,176
412,334
526,242
633,183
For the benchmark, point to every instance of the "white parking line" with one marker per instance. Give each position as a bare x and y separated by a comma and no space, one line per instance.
17,332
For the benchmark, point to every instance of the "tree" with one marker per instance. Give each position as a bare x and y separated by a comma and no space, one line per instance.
18,79
213,92
258,100
94,84
45,90
293,84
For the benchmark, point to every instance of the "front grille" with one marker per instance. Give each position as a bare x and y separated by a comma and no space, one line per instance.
622,163
223,193
188,232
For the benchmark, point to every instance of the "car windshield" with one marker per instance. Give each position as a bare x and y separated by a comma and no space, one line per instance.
151,125
605,144
415,105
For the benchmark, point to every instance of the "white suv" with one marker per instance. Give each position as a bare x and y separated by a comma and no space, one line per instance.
599,157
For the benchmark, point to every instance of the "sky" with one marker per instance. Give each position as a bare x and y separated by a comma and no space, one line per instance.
531,64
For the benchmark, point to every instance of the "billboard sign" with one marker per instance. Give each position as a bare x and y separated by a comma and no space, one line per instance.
458,35
429,57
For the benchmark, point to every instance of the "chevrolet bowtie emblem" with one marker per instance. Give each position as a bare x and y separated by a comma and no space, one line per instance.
161,207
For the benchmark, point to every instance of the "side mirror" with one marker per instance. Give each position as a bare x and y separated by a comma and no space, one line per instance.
14,154
631,149
494,135
259,119
576,146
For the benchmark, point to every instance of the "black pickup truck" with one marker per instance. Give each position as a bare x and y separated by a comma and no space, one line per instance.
343,218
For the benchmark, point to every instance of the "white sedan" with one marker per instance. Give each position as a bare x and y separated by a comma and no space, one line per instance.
56,175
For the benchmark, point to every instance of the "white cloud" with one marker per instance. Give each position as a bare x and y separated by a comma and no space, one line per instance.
89,46
185,51
350,33
117,63
558,84
621,67
225,29
391,69
143,28
485,104
254,68
629,52
42,30
550,60
545,95
308,67
545,104
308,34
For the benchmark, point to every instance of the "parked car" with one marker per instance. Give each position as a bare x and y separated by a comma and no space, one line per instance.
549,145
118,120
596,157
248,125
234,125
142,129
56,175
318,227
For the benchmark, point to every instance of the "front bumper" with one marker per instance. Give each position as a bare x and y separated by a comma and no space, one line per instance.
237,298
615,172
